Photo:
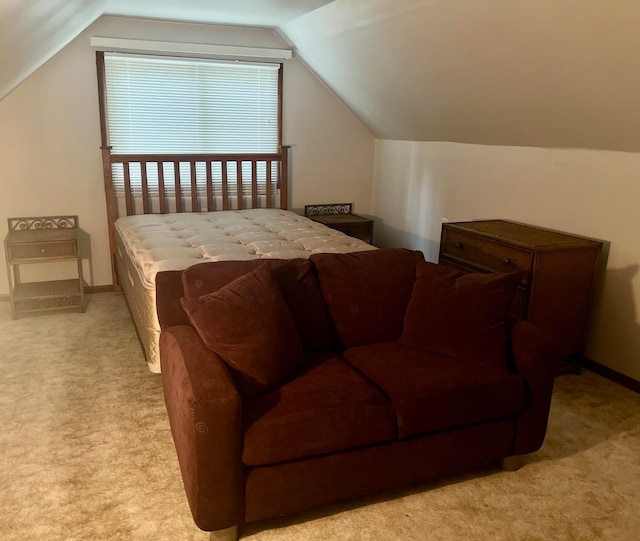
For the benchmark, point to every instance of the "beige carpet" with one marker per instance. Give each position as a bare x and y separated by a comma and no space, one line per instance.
87,454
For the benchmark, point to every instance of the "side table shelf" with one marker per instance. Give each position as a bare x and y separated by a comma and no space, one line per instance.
43,240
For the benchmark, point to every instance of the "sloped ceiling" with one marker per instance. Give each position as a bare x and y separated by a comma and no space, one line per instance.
542,73
532,73
32,31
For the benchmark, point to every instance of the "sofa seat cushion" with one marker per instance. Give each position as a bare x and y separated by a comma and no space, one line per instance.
328,407
433,392
367,292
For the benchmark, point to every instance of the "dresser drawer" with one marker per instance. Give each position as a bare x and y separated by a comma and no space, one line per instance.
42,250
486,253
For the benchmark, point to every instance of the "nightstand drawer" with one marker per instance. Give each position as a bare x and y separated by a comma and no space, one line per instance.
339,217
42,250
485,252
363,231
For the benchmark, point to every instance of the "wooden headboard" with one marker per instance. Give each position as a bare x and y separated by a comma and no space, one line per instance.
163,183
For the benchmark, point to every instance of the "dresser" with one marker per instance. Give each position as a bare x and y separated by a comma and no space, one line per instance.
339,216
558,273
43,240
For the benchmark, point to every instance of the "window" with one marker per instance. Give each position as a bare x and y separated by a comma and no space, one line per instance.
162,105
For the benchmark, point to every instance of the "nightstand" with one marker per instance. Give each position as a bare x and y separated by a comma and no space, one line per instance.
43,240
339,216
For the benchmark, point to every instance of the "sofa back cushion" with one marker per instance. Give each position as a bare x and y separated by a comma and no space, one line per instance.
297,281
248,324
461,315
301,292
367,292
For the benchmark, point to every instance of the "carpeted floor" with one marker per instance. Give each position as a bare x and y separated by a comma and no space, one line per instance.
86,453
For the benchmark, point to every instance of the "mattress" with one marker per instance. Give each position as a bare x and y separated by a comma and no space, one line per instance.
150,243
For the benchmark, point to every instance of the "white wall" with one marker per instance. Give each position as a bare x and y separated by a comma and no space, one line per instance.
50,160
592,193
332,150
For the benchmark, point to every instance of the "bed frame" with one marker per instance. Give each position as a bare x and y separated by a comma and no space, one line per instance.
235,185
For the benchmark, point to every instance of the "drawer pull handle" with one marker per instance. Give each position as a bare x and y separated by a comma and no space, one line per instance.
43,251
507,261
458,245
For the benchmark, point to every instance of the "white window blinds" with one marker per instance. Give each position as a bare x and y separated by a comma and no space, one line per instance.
190,106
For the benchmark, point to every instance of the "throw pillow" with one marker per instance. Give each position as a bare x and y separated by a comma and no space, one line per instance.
459,314
248,324
297,281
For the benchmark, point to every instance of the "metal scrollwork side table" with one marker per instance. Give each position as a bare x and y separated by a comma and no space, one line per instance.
41,240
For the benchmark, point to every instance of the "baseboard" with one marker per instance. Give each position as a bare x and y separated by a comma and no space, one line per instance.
87,289
99,289
612,374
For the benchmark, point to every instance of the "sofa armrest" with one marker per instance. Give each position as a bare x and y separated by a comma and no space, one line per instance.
205,412
535,360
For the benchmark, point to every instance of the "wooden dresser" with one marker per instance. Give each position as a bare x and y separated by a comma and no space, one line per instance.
555,293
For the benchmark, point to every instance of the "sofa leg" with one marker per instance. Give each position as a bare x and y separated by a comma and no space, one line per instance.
228,534
512,463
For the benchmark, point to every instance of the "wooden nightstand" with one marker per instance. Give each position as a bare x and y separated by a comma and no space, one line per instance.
43,240
339,216
558,273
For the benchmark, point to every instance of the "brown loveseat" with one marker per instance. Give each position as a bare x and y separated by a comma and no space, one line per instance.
294,383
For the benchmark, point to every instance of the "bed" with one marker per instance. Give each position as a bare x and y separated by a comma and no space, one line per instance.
168,212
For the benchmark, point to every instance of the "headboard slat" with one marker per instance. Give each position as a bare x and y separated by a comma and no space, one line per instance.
127,189
178,186
225,186
254,185
239,187
268,187
194,187
209,165
161,189
146,205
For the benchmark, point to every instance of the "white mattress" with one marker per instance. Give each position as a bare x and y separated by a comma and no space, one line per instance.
150,243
